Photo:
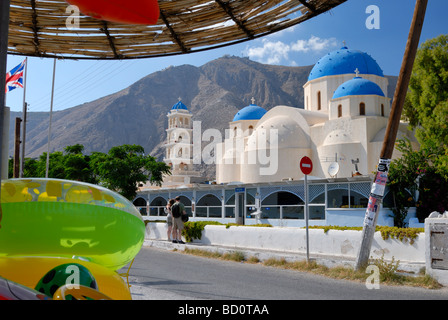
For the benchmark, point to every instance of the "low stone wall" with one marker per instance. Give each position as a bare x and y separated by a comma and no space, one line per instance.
293,240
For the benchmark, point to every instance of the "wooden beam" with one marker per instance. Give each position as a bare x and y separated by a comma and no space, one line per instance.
16,171
393,124
105,29
173,33
308,5
226,7
35,29
4,28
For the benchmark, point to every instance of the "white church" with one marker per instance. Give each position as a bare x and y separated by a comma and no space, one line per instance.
341,128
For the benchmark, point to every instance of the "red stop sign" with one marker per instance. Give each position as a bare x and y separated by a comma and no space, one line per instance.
306,165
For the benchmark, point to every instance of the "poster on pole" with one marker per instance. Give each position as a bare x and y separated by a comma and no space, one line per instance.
377,192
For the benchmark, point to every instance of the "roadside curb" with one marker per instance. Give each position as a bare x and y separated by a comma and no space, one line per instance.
262,255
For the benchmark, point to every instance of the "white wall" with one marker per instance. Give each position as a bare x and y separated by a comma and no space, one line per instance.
293,240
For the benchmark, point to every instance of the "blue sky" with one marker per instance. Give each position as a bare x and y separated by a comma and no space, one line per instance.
78,82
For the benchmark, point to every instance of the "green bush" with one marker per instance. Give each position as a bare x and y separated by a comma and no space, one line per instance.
193,229
402,234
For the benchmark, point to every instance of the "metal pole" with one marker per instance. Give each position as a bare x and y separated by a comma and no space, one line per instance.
306,220
51,115
378,187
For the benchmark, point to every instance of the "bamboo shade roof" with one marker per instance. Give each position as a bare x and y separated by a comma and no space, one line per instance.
39,27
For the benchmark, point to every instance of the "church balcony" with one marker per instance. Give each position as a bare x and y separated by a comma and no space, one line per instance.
180,126
184,173
173,142
178,160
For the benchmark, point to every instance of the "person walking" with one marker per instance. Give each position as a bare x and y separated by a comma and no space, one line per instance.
169,219
177,210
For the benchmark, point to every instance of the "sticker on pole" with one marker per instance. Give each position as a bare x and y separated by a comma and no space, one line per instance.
371,211
379,184
306,165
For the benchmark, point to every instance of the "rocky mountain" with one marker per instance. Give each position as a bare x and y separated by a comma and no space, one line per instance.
213,92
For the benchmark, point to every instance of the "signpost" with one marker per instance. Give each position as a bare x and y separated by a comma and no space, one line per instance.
306,166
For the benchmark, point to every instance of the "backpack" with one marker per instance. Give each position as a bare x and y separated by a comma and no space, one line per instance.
175,210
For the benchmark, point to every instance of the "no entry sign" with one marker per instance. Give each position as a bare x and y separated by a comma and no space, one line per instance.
306,165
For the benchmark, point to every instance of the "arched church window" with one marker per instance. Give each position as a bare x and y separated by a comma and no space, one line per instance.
362,109
382,110
339,110
319,104
251,129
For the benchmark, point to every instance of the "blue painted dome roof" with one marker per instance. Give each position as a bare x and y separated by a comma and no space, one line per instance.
179,105
251,112
345,61
357,87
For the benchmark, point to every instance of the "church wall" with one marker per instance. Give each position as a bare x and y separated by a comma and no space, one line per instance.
327,85
345,153
281,167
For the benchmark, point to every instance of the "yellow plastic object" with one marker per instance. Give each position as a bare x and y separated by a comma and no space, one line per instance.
126,274
62,218
79,293
29,270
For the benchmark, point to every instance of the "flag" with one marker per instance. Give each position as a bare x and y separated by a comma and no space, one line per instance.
14,78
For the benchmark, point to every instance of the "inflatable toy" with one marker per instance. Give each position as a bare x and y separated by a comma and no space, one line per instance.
81,293
61,218
31,271
68,274
121,11
10,290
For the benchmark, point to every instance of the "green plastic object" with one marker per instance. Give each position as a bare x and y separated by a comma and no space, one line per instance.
61,218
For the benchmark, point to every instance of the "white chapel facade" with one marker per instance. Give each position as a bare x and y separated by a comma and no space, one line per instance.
343,122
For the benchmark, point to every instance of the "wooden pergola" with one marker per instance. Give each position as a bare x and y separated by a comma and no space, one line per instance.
39,27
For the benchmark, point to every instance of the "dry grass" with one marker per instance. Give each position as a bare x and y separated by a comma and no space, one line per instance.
389,274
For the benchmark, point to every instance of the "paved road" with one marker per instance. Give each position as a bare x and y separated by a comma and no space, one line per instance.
167,275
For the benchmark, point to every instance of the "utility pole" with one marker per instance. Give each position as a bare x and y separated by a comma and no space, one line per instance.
22,159
17,148
379,184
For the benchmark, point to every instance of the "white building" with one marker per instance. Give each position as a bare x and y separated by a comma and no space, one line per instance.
343,124
179,146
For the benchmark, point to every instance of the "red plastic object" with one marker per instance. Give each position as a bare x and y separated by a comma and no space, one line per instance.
10,290
121,11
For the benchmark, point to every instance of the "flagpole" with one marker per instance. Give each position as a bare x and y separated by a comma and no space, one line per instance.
22,160
51,114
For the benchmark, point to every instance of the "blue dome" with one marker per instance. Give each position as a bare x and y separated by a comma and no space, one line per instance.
179,105
251,112
357,87
345,61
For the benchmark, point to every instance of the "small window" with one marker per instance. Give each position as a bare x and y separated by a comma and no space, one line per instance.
362,109
382,110
339,110
319,105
